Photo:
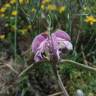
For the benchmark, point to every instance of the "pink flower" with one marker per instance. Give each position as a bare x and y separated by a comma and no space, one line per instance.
43,46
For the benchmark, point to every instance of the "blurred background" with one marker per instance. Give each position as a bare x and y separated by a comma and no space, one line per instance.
21,21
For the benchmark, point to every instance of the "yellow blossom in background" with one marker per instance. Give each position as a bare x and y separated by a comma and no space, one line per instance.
90,19
13,28
2,37
29,26
33,9
51,7
90,94
21,1
13,1
14,13
61,9
2,15
85,8
45,1
23,31
42,7
2,10
7,5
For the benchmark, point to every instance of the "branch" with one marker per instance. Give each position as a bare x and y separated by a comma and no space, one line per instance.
25,70
61,85
30,66
55,94
58,78
79,64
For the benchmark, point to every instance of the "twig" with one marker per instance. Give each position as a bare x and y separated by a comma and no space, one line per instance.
61,85
30,66
55,94
25,70
25,52
62,61
9,66
79,64
2,66
58,78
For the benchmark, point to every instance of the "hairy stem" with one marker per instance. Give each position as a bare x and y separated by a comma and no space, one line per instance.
79,64
58,78
61,85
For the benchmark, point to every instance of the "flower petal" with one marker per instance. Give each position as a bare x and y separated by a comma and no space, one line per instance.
68,45
61,40
58,43
38,40
62,34
41,49
37,57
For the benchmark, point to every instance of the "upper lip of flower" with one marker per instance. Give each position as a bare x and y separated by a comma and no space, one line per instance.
62,34
44,44
37,41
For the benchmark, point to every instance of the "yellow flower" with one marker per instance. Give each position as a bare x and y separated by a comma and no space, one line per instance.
2,15
14,13
42,6
2,10
13,1
62,9
7,5
51,7
90,19
23,31
45,1
33,9
29,26
2,37
13,28
23,1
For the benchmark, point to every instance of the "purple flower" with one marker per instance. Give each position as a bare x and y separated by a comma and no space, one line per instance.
44,46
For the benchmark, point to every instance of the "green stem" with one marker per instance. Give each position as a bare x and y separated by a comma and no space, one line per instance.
62,61
79,64
15,34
